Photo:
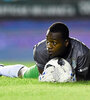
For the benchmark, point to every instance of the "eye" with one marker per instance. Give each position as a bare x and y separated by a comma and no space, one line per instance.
47,42
54,43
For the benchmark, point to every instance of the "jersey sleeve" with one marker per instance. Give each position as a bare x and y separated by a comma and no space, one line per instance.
83,66
38,58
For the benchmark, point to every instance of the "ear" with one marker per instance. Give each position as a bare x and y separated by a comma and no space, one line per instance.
66,42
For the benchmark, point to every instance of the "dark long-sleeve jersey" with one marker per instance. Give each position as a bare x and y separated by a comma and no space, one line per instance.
78,57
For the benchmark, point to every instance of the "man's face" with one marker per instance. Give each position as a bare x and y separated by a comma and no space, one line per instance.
55,44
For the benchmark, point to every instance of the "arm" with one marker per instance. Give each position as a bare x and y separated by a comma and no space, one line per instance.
39,57
40,68
83,67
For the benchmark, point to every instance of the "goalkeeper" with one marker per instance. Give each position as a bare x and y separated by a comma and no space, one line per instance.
57,44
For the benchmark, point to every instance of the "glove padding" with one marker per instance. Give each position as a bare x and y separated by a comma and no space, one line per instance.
57,70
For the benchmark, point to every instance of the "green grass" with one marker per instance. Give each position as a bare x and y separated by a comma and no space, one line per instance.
28,64
31,89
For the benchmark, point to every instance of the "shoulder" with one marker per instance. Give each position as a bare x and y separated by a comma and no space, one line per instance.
40,52
40,46
79,46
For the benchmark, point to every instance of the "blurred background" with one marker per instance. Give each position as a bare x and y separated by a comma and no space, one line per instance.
23,23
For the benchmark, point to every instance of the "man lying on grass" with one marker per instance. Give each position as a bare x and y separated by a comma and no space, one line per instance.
59,45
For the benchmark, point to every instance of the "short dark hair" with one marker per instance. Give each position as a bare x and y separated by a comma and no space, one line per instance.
60,27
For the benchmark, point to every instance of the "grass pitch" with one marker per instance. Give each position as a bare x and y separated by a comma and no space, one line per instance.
31,89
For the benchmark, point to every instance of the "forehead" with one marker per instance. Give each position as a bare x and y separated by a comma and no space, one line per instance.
54,36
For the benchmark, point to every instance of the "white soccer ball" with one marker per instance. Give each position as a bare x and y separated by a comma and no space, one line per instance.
57,70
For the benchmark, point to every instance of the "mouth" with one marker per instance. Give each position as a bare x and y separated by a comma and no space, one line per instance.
50,52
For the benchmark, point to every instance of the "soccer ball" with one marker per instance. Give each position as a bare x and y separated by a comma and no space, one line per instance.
58,70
